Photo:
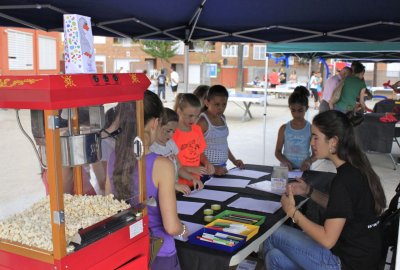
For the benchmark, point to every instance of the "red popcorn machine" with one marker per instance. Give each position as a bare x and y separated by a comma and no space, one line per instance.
74,231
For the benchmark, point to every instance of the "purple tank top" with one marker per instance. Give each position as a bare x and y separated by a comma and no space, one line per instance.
155,219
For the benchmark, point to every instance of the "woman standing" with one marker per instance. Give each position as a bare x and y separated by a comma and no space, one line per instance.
354,89
350,236
122,178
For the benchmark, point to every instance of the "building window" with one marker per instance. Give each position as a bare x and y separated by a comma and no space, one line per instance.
47,53
369,66
231,50
99,40
259,52
124,42
20,50
393,70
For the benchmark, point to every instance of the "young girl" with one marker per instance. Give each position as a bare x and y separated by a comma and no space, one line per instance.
294,136
165,146
189,138
201,92
122,178
350,235
213,125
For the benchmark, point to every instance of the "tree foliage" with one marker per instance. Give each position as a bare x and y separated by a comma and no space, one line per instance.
160,49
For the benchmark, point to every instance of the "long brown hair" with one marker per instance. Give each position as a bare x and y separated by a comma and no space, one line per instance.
125,159
336,124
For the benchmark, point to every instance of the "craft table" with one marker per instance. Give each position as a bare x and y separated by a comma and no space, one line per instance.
195,257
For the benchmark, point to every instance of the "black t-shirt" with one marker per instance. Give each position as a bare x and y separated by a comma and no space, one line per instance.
161,80
350,197
282,77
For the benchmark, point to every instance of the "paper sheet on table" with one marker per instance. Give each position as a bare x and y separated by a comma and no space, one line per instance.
256,205
265,186
188,208
227,182
247,173
209,194
191,227
295,174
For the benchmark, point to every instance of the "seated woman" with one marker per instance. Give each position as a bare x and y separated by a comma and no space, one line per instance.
350,236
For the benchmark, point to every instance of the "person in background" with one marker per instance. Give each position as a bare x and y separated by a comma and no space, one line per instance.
161,81
166,147
189,137
350,237
315,82
293,143
353,91
108,138
282,76
274,78
293,77
201,92
330,85
213,125
122,179
174,80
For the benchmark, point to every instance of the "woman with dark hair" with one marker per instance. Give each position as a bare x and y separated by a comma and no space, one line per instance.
350,235
122,178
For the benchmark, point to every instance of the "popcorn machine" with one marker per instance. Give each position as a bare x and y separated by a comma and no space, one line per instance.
108,234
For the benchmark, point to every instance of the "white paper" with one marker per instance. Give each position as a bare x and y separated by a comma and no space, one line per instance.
256,205
209,194
265,186
188,208
227,182
247,173
295,174
191,227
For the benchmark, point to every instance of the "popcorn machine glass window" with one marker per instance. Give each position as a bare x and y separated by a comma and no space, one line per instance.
61,164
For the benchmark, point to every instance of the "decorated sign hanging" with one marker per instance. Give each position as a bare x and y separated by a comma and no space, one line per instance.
78,44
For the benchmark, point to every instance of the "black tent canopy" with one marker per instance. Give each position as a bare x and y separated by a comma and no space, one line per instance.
262,21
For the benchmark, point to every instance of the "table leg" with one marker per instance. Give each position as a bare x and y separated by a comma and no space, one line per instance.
247,106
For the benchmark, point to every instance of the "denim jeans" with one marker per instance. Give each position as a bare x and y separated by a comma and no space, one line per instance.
161,91
288,248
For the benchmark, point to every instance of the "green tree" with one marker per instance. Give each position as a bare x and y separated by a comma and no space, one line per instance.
160,49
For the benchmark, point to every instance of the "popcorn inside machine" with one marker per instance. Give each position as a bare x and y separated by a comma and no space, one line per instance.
72,225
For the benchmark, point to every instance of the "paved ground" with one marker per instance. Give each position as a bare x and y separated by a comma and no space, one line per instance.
21,185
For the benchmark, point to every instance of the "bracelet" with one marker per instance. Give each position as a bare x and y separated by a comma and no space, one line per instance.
310,192
183,232
294,213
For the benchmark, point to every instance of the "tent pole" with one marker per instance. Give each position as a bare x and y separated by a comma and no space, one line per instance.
186,67
334,67
265,101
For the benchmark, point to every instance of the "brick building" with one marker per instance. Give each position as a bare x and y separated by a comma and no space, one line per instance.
29,52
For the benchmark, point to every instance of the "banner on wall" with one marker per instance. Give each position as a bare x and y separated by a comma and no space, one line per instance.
78,44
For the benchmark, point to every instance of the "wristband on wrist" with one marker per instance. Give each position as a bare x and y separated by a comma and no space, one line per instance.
310,191
294,213
183,231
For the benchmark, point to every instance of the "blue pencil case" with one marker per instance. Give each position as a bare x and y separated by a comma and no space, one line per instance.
194,238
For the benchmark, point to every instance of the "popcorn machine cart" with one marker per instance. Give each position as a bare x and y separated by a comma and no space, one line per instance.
120,240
